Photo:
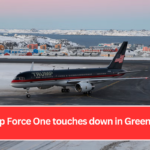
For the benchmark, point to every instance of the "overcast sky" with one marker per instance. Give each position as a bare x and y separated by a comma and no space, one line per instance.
75,14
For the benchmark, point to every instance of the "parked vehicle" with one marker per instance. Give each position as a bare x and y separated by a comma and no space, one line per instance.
87,54
94,54
53,54
73,54
80,54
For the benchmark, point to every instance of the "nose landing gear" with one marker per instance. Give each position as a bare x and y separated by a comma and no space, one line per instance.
27,93
89,92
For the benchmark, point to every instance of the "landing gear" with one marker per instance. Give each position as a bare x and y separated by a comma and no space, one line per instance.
84,93
27,93
65,90
89,92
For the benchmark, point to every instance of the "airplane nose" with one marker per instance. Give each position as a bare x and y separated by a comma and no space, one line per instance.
13,83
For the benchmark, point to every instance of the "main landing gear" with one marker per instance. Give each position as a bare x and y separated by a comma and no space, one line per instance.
89,92
64,90
27,93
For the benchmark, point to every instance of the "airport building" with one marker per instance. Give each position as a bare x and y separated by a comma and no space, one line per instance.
106,54
91,50
112,54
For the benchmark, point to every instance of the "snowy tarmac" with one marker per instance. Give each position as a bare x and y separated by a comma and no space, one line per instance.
74,145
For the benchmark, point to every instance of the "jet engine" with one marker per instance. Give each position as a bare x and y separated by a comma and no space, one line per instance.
84,87
44,87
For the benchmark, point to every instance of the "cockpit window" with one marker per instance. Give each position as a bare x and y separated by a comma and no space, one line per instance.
19,78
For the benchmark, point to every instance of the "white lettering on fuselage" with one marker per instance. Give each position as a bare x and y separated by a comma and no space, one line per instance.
42,74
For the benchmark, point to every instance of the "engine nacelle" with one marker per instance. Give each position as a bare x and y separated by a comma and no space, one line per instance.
44,87
84,87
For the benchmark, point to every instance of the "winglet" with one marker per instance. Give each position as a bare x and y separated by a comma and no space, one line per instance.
32,66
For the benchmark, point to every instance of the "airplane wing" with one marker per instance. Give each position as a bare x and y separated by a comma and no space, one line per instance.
106,79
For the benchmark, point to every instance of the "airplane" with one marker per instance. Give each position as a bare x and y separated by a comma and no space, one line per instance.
83,80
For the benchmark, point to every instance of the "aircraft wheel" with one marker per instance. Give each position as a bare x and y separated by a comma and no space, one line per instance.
90,92
85,93
68,90
28,95
65,90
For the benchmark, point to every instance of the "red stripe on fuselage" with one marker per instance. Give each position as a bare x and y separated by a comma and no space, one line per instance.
65,78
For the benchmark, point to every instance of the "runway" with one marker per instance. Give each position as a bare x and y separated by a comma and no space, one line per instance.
128,92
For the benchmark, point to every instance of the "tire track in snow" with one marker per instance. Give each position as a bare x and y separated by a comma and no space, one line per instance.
112,145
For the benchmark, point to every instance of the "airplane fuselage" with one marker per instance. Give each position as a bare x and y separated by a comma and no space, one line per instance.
61,77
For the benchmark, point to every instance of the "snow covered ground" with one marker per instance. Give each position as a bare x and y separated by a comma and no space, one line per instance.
61,145
134,145
75,145
23,40
82,32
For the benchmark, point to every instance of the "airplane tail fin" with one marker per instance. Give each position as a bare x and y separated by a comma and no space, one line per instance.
117,61
32,66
